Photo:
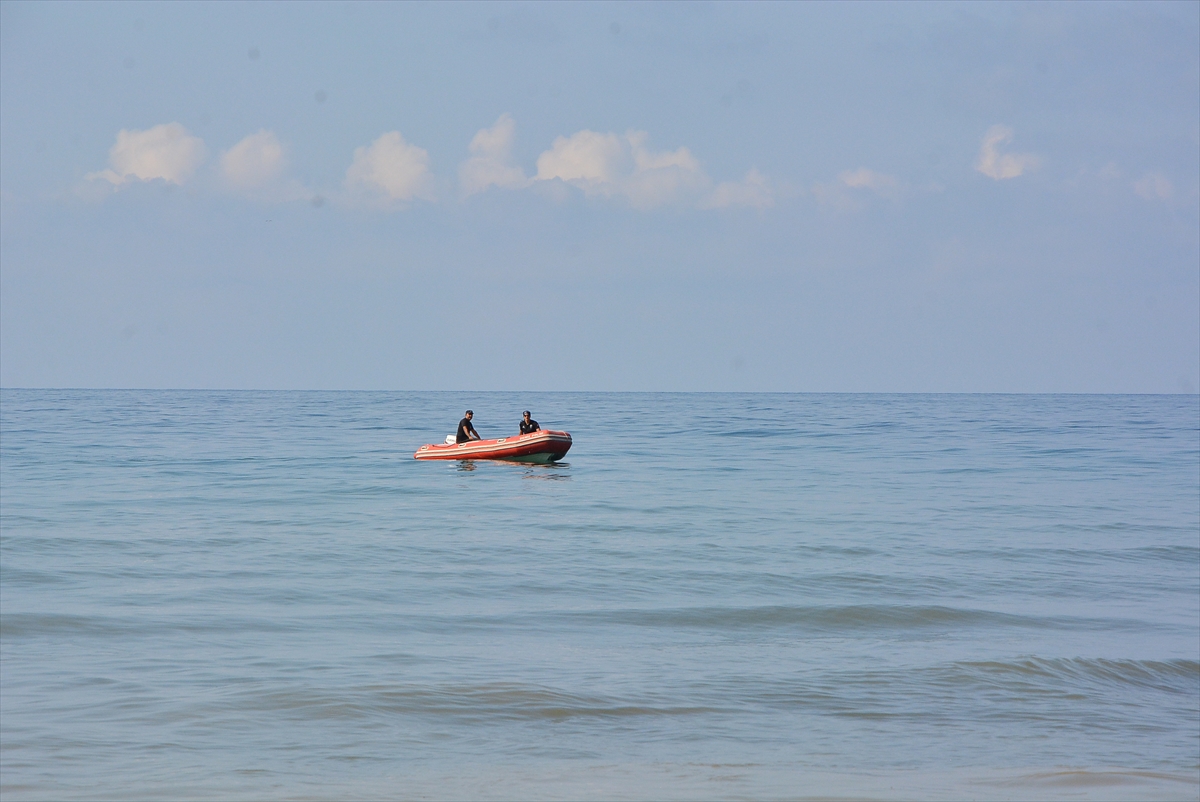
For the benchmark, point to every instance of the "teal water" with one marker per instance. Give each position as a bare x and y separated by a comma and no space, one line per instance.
244,595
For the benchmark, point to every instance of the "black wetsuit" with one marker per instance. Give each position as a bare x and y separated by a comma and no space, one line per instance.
532,426
465,430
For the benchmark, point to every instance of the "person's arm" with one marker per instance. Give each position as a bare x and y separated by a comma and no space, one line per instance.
473,432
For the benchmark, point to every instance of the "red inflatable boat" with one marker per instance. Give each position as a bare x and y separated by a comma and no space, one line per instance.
540,446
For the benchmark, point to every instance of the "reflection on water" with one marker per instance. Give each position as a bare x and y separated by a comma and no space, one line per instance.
551,470
530,470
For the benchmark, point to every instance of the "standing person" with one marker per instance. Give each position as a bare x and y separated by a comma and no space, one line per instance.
528,424
465,430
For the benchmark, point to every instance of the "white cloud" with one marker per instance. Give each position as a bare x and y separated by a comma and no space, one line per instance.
1153,186
997,165
665,177
646,160
256,167
166,152
608,165
595,162
862,178
490,163
836,195
1109,172
391,168
255,162
754,190
844,194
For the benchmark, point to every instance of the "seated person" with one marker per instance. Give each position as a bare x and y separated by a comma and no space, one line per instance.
528,424
465,430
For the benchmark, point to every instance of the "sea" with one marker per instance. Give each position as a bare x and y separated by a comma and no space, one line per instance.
263,596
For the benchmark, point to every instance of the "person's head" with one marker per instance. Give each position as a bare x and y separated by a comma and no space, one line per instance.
526,414
470,414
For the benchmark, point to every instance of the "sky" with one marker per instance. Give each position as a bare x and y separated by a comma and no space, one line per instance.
796,197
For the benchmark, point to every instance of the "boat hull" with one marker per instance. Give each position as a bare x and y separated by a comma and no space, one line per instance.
542,446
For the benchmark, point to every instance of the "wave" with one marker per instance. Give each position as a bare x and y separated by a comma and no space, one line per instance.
54,625
1116,694
484,701
843,618
1033,690
1173,676
1080,780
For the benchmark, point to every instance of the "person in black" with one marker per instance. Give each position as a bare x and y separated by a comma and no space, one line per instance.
465,430
528,424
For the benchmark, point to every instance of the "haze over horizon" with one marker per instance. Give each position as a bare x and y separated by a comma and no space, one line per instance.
671,196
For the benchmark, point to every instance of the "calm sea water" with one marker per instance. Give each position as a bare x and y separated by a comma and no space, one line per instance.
244,595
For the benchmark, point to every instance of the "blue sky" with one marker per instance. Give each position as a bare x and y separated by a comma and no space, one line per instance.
674,196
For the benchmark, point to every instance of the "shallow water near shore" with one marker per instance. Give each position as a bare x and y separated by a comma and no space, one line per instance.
262,595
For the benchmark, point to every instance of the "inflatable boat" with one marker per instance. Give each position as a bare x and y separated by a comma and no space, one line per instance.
540,446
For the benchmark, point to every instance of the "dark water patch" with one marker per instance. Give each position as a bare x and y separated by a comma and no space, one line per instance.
16,626
1058,558
34,625
18,577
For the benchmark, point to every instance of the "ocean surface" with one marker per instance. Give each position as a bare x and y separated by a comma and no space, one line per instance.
262,596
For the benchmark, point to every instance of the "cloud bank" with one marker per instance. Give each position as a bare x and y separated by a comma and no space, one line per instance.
607,165
1000,166
165,152
393,172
